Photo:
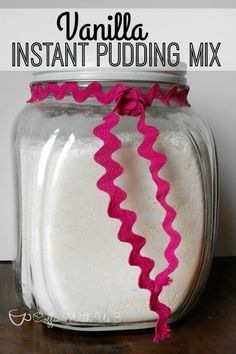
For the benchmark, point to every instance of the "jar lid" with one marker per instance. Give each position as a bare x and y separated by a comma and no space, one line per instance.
91,72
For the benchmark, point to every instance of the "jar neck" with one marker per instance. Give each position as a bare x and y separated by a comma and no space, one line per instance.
108,84
92,101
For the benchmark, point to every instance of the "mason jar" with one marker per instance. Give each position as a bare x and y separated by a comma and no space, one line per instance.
71,266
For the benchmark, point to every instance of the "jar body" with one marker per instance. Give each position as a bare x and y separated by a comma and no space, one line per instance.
70,265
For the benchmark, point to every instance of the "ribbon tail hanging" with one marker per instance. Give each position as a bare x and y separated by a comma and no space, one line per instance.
117,196
128,217
157,161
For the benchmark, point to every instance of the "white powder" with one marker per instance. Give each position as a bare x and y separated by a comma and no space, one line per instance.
79,268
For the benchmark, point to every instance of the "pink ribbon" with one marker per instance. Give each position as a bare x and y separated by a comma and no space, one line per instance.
131,102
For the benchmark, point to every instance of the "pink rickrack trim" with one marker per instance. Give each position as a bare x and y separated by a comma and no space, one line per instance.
40,92
131,102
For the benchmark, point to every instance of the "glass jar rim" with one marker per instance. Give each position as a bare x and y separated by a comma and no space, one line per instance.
166,74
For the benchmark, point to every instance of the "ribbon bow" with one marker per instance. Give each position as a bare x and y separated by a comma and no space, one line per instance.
130,102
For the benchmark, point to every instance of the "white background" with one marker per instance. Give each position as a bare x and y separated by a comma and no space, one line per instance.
212,95
183,26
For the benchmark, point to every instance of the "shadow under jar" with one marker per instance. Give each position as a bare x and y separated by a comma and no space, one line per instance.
70,265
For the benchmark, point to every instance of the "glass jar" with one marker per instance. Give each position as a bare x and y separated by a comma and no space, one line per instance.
70,265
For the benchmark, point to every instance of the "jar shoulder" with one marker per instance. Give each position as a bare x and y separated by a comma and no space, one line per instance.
40,120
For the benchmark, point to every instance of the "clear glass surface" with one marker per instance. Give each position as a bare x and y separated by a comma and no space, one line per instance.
70,265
